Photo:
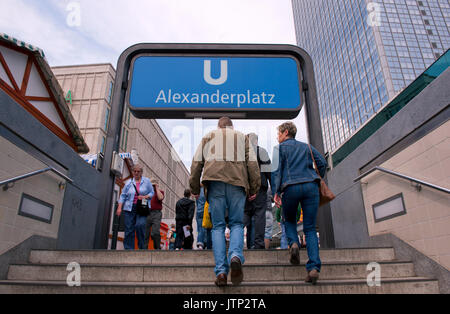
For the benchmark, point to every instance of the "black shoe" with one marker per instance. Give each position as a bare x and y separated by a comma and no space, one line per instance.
236,271
312,277
221,280
294,252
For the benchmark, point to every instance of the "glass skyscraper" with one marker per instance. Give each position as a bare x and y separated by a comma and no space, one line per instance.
365,52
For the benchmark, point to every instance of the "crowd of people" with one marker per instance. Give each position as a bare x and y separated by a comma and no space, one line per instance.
234,180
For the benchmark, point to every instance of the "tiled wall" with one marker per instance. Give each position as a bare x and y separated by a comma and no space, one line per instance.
15,228
426,224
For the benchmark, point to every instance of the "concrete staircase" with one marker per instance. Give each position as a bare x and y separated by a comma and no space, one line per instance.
265,272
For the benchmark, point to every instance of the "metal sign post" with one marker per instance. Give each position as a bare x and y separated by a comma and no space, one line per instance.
186,81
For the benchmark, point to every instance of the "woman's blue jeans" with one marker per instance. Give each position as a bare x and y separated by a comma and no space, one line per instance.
134,224
283,240
223,198
307,194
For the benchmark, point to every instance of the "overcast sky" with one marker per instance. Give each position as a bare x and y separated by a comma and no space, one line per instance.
85,31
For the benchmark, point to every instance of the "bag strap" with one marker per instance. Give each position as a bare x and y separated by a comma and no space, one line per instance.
138,193
314,161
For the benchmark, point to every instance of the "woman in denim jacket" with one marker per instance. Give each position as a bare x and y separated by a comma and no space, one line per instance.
295,179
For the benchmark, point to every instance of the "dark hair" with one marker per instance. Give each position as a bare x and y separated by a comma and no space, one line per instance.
253,138
187,193
225,122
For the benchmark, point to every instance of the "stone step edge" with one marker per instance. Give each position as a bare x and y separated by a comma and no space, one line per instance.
327,282
337,263
174,252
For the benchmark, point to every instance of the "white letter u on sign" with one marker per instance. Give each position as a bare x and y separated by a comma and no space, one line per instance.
223,73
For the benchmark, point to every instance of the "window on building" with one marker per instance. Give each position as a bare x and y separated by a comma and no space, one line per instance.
110,91
102,147
389,208
34,208
105,127
124,140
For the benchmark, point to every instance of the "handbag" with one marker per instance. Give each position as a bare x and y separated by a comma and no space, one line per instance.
325,193
206,223
172,236
141,210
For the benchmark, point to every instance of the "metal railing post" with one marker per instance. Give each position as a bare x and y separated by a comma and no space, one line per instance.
5,183
420,182
116,224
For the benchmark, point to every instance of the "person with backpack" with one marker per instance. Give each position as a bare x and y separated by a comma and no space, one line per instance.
256,208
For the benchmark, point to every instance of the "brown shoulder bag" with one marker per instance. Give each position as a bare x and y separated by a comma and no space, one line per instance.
326,195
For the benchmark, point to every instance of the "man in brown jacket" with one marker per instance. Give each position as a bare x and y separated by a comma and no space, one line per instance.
230,174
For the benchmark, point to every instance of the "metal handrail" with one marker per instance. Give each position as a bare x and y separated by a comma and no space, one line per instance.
24,176
433,186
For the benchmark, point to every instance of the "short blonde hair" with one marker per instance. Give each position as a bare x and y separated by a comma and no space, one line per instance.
290,127
138,166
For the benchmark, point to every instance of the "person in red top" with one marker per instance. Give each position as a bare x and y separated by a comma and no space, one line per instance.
154,219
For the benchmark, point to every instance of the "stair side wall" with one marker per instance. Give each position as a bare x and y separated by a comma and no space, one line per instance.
421,217
426,112
21,252
76,218
423,265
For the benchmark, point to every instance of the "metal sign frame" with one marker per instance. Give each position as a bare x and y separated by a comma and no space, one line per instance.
309,101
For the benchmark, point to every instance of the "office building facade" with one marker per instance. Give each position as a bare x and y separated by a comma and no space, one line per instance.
365,53
88,90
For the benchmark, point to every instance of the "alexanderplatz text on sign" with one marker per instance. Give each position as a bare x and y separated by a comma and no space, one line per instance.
209,81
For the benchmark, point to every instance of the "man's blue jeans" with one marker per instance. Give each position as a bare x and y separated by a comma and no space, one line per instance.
307,194
223,197
134,223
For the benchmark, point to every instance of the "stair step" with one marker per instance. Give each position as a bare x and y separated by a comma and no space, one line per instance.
409,285
204,273
189,257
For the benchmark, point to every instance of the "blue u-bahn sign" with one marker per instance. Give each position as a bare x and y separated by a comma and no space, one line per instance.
211,83
219,83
